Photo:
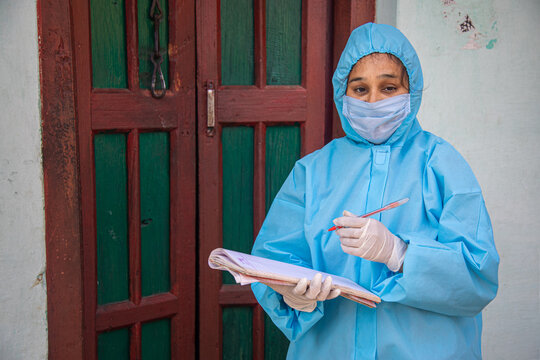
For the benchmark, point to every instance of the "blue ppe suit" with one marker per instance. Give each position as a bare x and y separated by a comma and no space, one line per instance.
432,309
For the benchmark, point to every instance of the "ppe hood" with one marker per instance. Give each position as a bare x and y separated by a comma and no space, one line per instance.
377,38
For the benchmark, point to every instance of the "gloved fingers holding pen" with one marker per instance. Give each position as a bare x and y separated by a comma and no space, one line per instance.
304,296
371,240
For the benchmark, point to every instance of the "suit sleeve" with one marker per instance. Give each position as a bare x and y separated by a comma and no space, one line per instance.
455,271
282,238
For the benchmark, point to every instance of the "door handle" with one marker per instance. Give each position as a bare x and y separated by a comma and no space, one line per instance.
210,108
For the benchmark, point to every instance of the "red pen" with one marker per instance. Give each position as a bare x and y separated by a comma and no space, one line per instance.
395,204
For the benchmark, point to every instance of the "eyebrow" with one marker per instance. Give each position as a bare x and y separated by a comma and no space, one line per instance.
390,76
356,79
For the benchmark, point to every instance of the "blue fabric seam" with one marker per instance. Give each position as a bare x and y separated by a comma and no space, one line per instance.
479,217
289,202
464,193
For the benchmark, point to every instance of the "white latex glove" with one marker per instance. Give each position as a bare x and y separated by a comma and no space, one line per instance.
370,239
304,297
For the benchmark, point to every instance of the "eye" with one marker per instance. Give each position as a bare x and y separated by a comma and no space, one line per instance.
389,88
359,90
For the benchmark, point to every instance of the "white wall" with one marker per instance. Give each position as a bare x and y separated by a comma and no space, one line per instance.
23,317
482,94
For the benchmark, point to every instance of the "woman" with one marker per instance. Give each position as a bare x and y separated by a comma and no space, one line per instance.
432,261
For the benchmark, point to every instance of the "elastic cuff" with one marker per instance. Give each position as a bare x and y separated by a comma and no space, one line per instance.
398,255
306,307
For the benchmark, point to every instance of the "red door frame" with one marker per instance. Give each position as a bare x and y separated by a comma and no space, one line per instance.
63,234
62,175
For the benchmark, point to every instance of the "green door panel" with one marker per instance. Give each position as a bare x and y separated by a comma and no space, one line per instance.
275,343
284,42
111,218
114,345
155,204
237,155
237,333
108,36
156,340
237,42
282,151
146,42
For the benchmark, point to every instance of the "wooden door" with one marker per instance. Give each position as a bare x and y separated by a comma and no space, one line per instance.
120,167
266,67
137,173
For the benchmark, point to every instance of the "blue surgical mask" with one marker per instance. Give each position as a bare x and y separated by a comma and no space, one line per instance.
377,121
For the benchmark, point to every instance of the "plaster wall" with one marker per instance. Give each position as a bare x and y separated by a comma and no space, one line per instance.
482,95
23,305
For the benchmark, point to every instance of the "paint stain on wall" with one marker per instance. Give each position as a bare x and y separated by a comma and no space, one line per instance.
467,24
491,43
473,21
39,279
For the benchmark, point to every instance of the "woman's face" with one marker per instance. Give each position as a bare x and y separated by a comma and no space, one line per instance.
376,77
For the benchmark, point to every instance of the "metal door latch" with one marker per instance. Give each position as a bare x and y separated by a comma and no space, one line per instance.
156,14
210,109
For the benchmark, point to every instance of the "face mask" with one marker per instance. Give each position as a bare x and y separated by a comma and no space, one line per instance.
377,121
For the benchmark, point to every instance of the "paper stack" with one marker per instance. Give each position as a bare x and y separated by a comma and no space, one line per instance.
248,269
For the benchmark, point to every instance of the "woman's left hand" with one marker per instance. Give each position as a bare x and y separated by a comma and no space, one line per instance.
370,239
304,296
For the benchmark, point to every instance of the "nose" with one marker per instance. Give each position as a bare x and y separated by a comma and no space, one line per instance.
374,96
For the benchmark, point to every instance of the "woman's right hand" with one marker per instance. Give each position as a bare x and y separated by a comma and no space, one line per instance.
304,297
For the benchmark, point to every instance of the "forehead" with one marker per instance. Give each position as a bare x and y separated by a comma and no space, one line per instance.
376,62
